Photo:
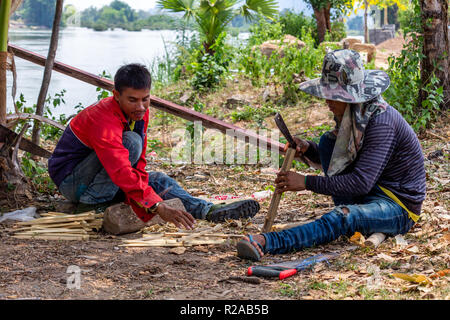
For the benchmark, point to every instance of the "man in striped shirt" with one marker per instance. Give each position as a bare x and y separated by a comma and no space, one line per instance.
373,163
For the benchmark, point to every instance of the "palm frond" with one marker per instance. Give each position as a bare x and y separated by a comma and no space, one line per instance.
186,6
251,8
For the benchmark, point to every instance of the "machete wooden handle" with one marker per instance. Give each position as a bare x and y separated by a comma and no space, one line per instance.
271,214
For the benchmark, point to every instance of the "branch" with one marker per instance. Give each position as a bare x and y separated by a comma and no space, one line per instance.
27,116
14,158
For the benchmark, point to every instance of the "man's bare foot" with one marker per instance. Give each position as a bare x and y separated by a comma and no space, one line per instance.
258,238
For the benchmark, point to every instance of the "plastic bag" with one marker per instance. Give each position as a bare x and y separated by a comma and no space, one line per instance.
26,214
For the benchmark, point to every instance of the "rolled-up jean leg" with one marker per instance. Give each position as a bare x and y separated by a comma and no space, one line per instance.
376,214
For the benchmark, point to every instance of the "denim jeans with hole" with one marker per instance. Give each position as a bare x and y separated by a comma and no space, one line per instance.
368,214
89,182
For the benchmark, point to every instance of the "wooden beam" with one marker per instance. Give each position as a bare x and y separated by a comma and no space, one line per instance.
158,103
26,145
63,68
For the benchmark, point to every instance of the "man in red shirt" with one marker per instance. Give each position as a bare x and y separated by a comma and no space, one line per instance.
101,156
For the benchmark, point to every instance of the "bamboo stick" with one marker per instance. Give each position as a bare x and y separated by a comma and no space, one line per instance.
197,234
194,242
53,230
52,214
218,235
53,237
74,225
57,219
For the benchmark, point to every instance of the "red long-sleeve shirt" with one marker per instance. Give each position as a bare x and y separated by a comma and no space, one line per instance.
99,128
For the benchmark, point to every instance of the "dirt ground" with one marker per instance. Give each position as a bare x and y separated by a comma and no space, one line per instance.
391,47
40,269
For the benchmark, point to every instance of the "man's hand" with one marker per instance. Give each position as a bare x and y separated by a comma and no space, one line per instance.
289,181
302,146
180,218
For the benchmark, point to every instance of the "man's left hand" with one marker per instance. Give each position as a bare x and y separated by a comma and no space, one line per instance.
289,181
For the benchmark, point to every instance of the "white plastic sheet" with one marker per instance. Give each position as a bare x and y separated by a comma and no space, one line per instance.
26,214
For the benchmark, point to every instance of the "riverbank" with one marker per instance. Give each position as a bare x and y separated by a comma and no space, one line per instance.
14,25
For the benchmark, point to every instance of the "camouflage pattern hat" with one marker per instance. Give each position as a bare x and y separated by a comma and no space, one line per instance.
344,79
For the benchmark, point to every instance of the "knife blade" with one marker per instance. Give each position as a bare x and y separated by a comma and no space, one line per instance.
284,130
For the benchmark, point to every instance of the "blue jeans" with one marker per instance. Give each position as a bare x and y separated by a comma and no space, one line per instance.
368,214
89,182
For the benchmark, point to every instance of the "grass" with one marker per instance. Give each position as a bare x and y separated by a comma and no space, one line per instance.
287,290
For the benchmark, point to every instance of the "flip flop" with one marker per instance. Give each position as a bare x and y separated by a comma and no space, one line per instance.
246,250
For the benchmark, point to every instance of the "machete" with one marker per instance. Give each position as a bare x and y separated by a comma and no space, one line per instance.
286,269
286,166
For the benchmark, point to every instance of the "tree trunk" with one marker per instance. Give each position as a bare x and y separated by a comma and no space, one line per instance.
47,70
5,7
435,47
385,22
321,24
327,16
366,29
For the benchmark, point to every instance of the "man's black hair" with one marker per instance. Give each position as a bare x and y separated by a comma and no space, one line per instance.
134,76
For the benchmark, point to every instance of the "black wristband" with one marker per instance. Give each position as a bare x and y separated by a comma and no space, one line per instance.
153,208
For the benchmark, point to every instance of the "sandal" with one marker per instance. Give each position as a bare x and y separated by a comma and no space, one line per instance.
246,250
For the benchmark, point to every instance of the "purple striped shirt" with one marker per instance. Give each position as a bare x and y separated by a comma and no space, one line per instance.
391,156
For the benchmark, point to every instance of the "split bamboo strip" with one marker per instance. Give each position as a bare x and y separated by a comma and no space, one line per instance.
57,219
52,214
197,234
55,230
53,237
195,242
74,224
168,243
218,235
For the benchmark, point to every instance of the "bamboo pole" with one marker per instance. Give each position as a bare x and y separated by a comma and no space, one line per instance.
5,7
50,61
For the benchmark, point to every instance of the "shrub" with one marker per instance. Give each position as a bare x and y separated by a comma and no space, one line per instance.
264,30
209,69
294,23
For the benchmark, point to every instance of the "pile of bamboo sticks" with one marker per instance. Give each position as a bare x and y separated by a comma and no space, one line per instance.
181,239
60,226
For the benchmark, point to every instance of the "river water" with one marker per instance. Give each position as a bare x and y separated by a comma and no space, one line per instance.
85,49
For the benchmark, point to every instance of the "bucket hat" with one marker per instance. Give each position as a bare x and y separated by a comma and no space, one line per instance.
344,79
